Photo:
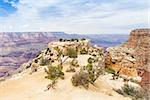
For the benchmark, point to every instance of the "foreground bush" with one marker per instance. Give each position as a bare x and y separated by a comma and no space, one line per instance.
134,93
81,79
44,62
54,72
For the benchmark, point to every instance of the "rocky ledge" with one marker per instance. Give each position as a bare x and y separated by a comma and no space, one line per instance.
132,58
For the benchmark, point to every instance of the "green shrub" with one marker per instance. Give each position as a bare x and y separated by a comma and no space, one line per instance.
134,81
134,93
110,70
60,39
91,60
92,76
89,66
74,63
54,72
77,40
83,39
72,40
72,53
44,62
83,51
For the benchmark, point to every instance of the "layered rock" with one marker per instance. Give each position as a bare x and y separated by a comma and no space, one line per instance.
122,60
139,40
132,56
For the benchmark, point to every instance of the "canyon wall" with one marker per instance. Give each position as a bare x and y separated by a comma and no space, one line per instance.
132,56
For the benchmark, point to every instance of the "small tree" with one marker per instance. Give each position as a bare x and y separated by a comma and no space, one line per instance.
44,62
83,51
91,60
54,72
60,39
72,53
72,40
83,39
89,66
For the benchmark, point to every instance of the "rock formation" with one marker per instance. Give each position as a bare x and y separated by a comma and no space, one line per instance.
122,60
139,40
132,56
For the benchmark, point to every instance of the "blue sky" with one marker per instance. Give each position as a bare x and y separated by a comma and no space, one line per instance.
74,16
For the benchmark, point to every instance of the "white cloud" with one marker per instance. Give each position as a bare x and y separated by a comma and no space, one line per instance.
88,18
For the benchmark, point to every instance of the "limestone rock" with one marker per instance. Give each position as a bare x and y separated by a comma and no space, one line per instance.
131,56
122,60
139,40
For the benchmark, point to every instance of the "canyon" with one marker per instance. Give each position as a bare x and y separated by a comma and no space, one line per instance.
79,67
17,48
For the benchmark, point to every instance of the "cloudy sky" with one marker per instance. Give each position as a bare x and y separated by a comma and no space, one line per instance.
73,16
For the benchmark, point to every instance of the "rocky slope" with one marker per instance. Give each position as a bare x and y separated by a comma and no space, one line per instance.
31,82
132,57
17,48
91,60
139,40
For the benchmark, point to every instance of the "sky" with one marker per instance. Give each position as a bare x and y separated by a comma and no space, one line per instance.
74,16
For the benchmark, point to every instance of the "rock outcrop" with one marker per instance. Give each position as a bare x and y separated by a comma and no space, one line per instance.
139,40
133,56
122,60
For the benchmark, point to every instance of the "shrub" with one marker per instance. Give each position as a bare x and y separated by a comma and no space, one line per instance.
44,62
65,40
83,39
38,54
92,76
89,67
60,39
47,50
51,85
83,51
72,53
53,73
72,39
91,60
36,60
70,69
110,70
134,81
81,79
134,93
77,40
74,63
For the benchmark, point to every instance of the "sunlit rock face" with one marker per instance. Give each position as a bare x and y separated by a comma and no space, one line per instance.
132,56
139,40
122,60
